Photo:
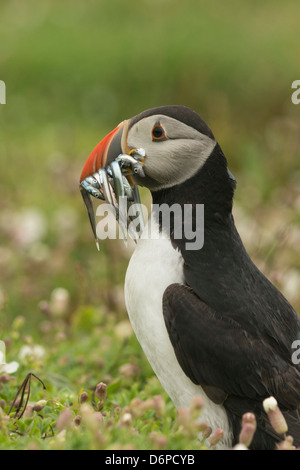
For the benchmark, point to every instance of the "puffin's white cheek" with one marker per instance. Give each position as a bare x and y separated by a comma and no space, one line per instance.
160,168
174,164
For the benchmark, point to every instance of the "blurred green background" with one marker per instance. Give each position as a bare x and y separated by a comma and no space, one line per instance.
75,69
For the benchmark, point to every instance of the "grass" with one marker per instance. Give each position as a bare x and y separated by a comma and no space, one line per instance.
73,70
133,414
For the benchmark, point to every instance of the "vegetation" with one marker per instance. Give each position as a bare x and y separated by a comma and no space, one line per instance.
73,70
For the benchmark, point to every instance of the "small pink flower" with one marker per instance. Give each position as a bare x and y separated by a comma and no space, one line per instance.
216,437
248,429
101,391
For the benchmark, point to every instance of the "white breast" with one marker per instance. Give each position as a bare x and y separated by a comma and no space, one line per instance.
154,265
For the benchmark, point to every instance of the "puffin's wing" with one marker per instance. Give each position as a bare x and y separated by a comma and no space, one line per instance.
216,352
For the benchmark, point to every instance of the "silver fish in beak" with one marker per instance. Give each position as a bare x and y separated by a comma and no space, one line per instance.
106,175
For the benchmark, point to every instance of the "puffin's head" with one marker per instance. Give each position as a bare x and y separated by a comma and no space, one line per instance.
176,140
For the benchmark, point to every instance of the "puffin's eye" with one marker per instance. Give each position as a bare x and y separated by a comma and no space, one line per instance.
158,132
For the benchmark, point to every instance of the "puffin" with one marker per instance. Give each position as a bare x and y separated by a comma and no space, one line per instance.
208,320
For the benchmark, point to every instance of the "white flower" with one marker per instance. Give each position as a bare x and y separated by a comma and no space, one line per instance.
240,447
9,368
28,226
123,329
33,351
270,404
2,353
59,301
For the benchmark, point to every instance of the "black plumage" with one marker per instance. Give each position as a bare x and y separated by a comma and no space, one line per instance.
231,328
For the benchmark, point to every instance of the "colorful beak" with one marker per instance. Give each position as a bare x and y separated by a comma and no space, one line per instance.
107,174
114,144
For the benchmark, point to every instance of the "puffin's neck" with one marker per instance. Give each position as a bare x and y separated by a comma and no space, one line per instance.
213,186
221,260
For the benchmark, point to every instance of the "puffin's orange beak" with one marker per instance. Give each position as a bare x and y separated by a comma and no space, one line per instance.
107,150
106,178
114,144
